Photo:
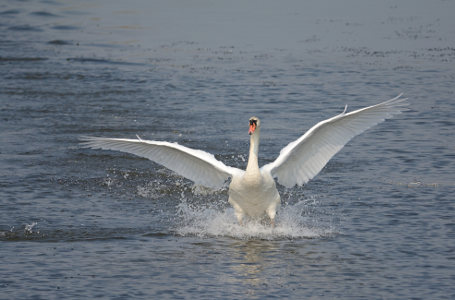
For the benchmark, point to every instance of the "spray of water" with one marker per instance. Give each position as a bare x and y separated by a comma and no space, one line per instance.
294,221
28,229
205,213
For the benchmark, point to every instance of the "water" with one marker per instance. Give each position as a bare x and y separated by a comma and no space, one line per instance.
377,222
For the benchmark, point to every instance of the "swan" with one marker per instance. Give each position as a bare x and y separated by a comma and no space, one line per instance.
253,192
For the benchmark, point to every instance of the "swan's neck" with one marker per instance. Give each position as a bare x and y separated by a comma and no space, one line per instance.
253,166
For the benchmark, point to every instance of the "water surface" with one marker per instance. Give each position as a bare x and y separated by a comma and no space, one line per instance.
377,222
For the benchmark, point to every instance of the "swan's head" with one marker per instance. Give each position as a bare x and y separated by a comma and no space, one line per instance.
254,125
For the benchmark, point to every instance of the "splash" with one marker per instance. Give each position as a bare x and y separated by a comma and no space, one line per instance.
294,221
28,229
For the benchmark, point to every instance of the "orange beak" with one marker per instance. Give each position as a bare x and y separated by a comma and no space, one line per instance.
252,128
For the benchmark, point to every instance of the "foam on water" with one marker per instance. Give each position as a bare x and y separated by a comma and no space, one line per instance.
217,220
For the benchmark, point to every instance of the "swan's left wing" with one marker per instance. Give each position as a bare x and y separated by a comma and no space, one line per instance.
304,158
199,166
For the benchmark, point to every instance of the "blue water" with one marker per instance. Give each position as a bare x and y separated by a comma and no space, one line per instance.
377,222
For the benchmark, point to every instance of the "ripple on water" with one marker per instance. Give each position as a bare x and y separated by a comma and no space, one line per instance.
43,14
10,12
59,42
25,28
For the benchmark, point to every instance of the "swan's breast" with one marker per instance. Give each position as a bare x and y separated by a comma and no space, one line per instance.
253,194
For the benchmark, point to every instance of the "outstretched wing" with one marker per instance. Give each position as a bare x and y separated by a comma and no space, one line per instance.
199,166
304,158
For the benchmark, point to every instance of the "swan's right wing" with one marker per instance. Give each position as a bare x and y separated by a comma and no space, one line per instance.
304,158
199,166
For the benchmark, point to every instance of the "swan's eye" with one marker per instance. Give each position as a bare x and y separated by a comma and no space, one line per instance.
253,122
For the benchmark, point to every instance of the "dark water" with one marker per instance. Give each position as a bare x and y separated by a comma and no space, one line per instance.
377,222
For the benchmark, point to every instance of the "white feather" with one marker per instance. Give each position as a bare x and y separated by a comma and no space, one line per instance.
199,166
304,158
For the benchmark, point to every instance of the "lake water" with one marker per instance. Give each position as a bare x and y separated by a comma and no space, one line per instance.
377,223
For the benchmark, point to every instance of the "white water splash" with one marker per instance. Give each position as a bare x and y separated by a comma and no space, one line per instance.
28,229
291,223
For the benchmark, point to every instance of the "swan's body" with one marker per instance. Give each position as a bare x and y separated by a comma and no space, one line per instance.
253,192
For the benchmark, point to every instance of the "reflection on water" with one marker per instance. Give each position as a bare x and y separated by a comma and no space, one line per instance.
251,263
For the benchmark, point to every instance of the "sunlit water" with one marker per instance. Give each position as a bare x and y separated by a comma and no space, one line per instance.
377,222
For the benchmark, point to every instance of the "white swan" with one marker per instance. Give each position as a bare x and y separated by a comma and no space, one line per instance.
253,192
